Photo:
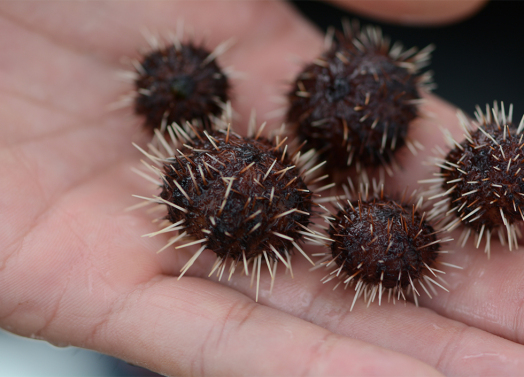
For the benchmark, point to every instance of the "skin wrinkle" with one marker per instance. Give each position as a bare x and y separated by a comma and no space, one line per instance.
240,312
2,267
91,124
341,316
341,329
49,37
56,133
448,352
56,306
315,309
123,301
309,313
55,203
34,102
200,358
60,196
63,133
54,313
518,322
317,353
507,329
200,268
51,106
124,26
324,350
39,333
19,240
100,67
121,306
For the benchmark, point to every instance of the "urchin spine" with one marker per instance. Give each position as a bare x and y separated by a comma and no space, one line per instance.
480,180
195,166
382,245
349,108
177,82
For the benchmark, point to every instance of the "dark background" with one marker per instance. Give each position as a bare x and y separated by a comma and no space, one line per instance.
476,61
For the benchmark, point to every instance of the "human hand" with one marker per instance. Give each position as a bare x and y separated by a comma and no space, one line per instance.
74,269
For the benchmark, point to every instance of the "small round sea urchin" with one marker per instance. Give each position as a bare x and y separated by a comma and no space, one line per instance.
244,198
382,245
355,102
180,82
481,181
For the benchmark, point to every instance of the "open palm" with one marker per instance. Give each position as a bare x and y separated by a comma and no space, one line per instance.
74,269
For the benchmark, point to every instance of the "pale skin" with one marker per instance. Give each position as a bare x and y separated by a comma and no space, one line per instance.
74,269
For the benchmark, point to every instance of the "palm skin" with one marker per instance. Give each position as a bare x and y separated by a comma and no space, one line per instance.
74,269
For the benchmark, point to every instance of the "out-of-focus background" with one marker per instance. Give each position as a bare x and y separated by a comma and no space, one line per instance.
476,61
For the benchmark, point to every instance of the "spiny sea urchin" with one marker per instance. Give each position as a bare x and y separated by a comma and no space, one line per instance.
481,181
355,102
178,82
244,198
382,245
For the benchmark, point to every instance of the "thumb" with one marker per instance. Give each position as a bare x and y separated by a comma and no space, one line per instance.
414,12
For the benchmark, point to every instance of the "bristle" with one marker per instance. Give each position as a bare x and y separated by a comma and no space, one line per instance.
326,90
243,198
398,264
480,179
177,81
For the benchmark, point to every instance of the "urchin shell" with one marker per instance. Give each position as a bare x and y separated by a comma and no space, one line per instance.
239,194
382,245
383,242
481,178
354,104
179,83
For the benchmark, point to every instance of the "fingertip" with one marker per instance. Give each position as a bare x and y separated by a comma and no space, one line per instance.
410,12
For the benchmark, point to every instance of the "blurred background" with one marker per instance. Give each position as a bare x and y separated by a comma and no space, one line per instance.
476,61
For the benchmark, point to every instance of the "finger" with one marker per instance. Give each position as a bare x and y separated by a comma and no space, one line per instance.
194,327
186,327
414,12
448,345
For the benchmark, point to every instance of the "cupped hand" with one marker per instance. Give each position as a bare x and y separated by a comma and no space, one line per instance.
74,269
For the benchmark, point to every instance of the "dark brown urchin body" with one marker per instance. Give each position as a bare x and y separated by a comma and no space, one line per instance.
382,245
244,198
238,195
482,177
180,83
355,103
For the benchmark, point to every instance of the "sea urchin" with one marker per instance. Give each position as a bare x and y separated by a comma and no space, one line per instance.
244,198
382,245
180,82
481,181
354,103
